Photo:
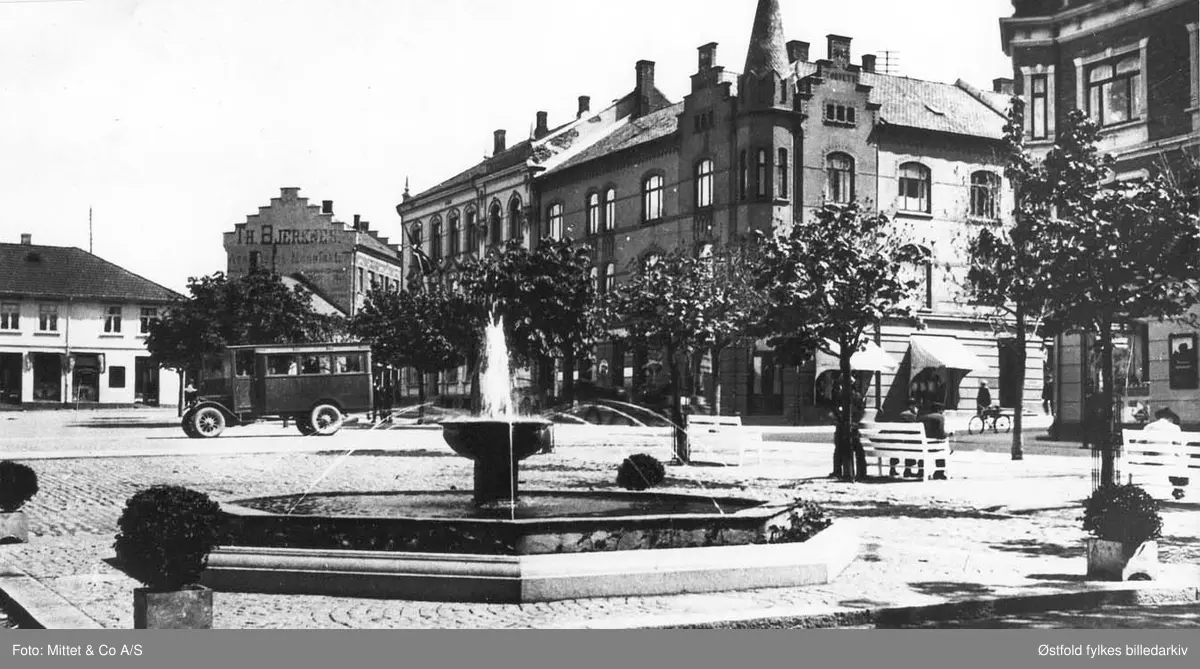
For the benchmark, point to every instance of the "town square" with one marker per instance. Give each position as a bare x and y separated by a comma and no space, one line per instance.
885,329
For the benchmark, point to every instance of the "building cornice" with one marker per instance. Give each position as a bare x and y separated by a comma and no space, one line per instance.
1051,29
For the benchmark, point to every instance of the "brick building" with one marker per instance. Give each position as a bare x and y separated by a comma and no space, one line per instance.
1133,66
751,151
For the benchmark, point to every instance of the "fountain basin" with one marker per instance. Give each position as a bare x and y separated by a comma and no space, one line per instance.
641,544
497,446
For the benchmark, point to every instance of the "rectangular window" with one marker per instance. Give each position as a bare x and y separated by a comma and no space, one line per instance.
374,281
1038,106
763,173
348,363
704,184
48,317
243,364
282,365
1113,89
116,377
555,219
783,173
112,319
10,316
255,259
148,315
314,364
266,234
362,286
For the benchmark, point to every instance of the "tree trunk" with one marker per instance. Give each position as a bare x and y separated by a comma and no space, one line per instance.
843,449
545,380
714,400
682,448
568,397
1018,440
421,379
1108,439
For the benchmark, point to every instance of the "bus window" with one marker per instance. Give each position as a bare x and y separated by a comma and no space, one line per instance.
244,361
314,364
282,365
348,363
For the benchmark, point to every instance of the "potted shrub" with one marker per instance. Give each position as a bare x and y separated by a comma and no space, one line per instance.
18,484
166,534
640,471
1124,522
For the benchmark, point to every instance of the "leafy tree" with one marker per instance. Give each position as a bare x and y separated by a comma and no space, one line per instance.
1111,252
430,329
835,278
257,308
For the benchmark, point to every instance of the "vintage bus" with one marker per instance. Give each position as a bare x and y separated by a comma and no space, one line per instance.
314,385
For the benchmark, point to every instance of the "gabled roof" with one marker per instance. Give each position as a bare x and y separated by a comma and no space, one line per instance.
627,135
65,271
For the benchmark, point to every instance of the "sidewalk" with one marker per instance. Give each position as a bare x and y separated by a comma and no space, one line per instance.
998,536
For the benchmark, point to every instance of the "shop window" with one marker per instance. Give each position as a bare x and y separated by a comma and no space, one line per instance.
116,377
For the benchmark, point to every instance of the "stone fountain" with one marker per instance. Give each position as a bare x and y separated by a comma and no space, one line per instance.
498,543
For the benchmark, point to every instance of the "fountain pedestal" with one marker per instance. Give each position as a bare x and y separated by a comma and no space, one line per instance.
497,446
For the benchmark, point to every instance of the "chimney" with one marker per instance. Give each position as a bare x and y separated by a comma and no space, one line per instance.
585,106
868,61
645,84
839,48
708,56
1002,85
357,222
26,239
797,51
542,129
498,143
326,206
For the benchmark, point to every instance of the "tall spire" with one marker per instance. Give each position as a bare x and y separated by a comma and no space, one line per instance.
768,48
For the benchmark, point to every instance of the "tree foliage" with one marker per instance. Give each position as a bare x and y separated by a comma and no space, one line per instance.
257,308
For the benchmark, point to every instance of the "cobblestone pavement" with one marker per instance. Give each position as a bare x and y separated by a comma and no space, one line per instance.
1172,616
996,528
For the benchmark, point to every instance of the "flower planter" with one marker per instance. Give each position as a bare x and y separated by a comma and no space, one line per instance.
190,608
1117,561
14,527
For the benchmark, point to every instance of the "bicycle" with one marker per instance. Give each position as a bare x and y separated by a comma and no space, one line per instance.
994,417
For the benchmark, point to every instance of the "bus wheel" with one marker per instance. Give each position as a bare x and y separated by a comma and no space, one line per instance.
189,427
306,428
325,419
208,422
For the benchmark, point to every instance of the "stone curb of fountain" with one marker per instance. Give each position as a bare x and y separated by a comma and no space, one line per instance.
1124,595
27,598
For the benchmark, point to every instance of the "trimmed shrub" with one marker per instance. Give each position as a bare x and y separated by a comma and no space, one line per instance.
1124,513
804,520
18,484
640,471
166,534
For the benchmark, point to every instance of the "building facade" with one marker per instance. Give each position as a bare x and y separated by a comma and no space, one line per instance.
338,262
73,330
1134,68
763,149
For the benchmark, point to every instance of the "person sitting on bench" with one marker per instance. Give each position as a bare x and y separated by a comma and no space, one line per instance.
935,428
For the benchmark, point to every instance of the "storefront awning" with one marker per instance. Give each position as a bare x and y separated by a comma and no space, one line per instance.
948,352
870,359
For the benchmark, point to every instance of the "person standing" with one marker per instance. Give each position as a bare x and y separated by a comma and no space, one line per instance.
983,399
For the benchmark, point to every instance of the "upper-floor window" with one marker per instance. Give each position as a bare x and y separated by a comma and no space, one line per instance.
48,317
595,276
743,175
554,216
593,213
839,178
147,316
652,198
10,316
514,218
435,241
455,233
836,113
1113,89
704,183
494,222
1039,106
763,173
985,195
255,259
374,280
914,188
610,270
610,209
112,319
362,284
783,173
473,236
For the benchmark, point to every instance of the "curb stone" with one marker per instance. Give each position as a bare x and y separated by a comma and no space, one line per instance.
38,604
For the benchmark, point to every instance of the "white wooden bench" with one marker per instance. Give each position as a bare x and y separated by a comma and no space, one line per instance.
723,433
905,441
1151,458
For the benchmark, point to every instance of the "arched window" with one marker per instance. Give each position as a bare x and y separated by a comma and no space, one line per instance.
743,175
783,171
417,239
985,195
610,209
593,213
455,233
652,198
514,218
921,273
472,233
763,173
435,239
494,223
595,275
914,188
839,178
704,183
610,270
554,218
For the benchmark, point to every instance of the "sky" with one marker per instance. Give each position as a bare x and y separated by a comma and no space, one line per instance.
172,120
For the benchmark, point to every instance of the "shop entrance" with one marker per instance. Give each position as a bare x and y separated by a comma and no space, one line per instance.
85,386
10,378
47,377
145,381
